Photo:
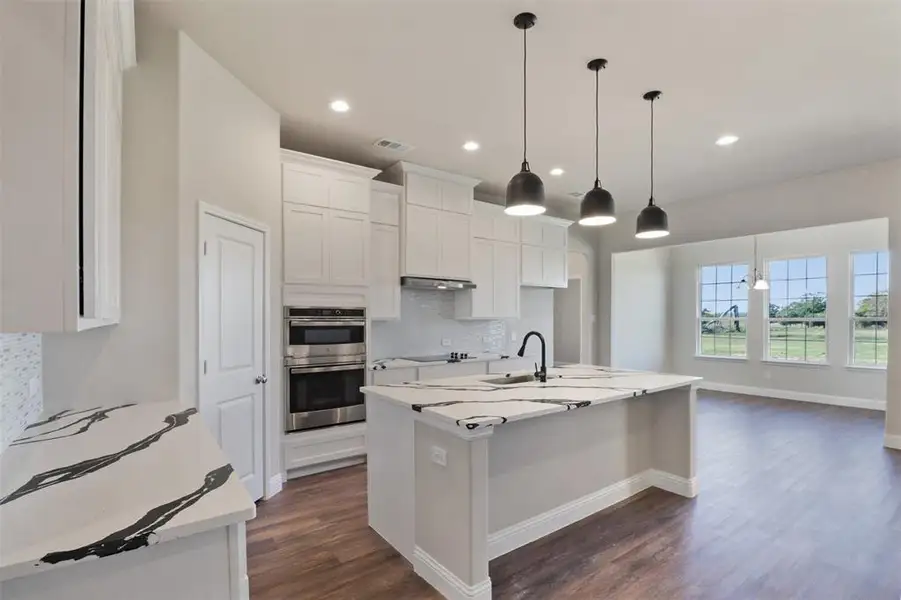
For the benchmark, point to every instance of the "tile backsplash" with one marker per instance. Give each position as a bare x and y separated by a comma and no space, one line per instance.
427,317
20,363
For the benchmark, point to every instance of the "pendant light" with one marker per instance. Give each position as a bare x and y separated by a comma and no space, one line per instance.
760,282
525,192
652,221
597,206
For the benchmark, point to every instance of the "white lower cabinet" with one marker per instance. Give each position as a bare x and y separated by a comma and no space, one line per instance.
389,376
323,245
461,369
495,271
384,283
309,452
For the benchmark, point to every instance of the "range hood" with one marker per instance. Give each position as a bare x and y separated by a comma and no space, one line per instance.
429,283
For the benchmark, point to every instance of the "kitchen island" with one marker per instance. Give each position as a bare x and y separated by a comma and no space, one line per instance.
466,469
128,501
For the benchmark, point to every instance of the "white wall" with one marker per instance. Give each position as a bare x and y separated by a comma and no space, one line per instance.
835,242
136,361
428,316
581,263
865,192
192,133
640,327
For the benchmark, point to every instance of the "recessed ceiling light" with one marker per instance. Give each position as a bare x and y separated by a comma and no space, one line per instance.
726,140
339,106
557,171
471,146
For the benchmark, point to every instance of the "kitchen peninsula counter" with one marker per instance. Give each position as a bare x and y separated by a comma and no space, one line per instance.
466,469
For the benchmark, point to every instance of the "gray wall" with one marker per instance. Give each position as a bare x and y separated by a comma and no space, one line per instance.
835,242
865,192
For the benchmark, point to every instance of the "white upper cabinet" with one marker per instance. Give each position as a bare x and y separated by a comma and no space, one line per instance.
326,224
67,92
543,255
384,280
490,222
495,271
436,221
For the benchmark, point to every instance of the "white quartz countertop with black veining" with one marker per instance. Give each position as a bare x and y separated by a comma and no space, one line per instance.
86,484
472,403
380,364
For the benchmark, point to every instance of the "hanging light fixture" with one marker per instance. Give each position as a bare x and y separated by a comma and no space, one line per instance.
652,221
760,282
525,192
597,206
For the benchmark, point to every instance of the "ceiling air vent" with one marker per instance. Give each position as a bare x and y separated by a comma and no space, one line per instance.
392,145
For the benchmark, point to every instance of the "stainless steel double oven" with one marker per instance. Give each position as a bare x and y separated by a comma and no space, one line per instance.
325,366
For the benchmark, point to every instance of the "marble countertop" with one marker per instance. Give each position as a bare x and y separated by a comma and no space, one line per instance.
402,363
471,403
86,484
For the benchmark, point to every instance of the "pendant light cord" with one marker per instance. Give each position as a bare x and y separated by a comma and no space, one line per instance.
652,152
524,106
597,181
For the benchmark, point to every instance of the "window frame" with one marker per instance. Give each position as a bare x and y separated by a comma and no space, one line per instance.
768,321
853,319
699,283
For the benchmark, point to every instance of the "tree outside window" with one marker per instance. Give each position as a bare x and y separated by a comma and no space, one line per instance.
869,319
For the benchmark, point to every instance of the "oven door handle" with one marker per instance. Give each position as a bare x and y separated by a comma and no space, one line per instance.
327,368
319,323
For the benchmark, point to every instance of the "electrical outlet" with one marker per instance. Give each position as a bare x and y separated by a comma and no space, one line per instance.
446,342
34,386
513,336
439,456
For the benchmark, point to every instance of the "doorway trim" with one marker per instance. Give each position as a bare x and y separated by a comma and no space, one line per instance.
270,413
581,279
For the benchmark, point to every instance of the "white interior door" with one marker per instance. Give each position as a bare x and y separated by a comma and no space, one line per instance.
231,338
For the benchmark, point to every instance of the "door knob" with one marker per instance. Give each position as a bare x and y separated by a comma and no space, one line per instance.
261,379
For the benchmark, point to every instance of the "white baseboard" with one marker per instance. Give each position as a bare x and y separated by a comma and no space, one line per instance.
537,527
275,486
326,466
867,403
892,441
449,585
672,483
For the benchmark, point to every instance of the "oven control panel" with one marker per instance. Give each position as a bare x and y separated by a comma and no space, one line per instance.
329,313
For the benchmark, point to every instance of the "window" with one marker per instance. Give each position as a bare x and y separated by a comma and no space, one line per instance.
869,311
797,310
723,311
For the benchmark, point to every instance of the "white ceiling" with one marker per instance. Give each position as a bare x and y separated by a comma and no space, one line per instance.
808,85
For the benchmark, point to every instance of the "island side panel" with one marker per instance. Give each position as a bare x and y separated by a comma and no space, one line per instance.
547,473
389,449
191,568
675,414
452,511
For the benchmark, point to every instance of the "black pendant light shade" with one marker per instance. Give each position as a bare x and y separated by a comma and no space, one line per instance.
597,206
652,221
525,192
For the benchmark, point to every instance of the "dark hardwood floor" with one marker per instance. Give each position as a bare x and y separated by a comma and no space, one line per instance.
796,501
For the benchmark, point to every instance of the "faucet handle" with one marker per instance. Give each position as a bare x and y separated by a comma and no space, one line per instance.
537,372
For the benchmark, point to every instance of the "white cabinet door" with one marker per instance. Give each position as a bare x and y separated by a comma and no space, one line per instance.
506,279
385,208
554,267
482,221
422,247
348,255
532,265
455,245
483,264
506,228
305,244
456,197
305,186
349,193
531,228
423,191
384,284
554,235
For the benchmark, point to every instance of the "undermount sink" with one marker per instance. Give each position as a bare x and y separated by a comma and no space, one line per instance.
508,380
